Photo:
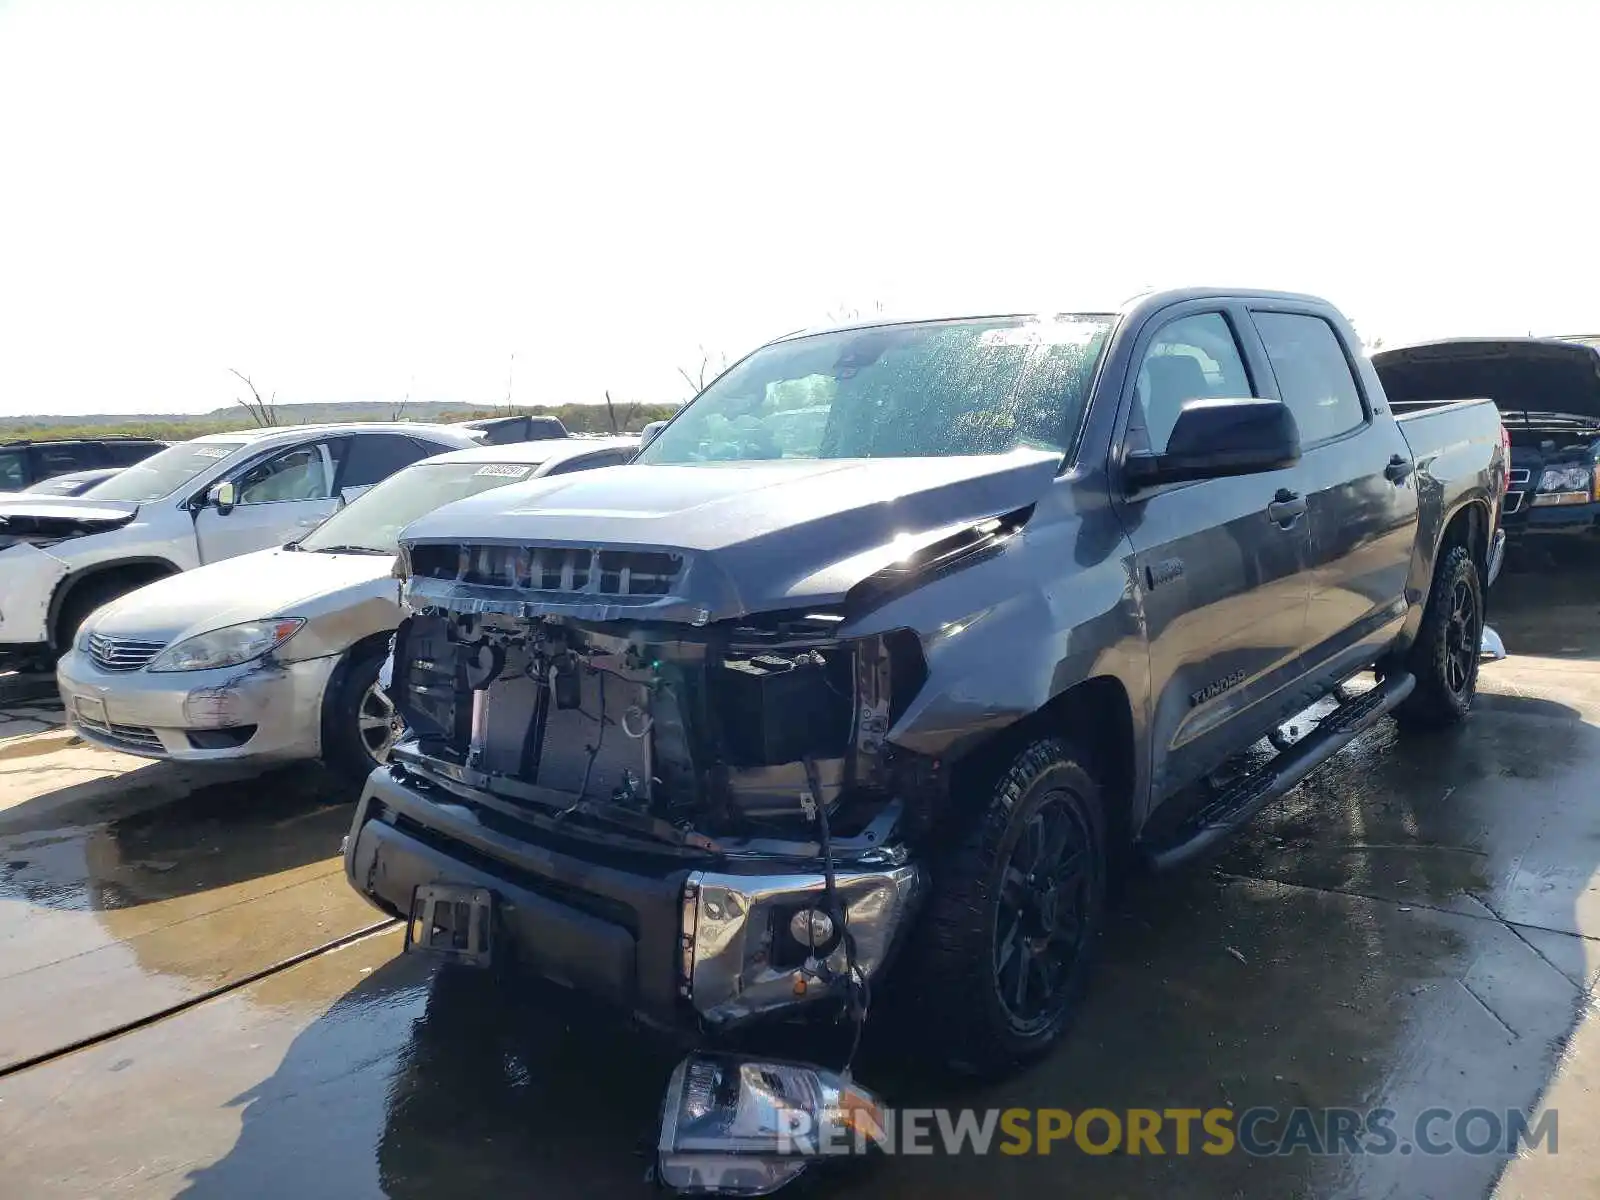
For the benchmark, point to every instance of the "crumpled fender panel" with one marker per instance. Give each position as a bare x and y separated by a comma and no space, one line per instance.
28,578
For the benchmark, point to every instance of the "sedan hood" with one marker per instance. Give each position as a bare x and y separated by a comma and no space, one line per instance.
56,518
738,537
252,587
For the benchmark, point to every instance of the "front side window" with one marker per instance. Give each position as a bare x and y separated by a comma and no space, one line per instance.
1314,376
13,471
929,390
303,473
1190,358
164,473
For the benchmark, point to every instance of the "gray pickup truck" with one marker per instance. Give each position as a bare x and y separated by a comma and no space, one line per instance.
788,708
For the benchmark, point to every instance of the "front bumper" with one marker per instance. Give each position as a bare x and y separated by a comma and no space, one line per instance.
677,945
1552,520
259,710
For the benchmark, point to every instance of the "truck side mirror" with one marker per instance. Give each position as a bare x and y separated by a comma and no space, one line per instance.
647,435
223,497
1213,439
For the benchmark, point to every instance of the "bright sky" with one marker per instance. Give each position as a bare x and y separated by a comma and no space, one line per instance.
353,201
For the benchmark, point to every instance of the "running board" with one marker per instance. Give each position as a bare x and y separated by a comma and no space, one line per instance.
1236,807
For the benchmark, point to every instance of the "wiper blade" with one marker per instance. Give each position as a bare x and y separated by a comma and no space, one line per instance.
349,550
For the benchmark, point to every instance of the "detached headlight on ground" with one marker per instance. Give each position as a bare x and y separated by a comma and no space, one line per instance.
734,1126
226,647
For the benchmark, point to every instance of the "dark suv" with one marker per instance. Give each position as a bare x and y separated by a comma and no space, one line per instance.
25,463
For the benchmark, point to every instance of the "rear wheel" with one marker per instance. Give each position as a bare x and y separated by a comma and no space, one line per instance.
1007,942
1445,657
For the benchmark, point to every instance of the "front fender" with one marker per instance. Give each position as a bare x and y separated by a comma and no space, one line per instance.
31,578
1005,636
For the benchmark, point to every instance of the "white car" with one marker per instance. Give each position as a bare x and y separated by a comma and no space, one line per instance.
194,503
275,655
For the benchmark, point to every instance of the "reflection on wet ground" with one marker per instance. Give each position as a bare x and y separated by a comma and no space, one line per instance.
123,895
1414,926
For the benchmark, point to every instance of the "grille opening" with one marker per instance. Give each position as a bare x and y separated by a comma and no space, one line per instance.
553,568
637,572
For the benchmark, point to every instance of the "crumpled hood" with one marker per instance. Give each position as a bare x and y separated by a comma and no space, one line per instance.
55,518
756,536
251,587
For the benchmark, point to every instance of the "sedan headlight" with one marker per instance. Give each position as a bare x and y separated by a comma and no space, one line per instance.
81,642
1564,479
226,647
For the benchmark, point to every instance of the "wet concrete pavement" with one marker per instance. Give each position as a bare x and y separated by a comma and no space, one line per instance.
1416,926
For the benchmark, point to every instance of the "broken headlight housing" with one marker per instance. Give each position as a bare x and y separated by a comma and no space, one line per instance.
734,1126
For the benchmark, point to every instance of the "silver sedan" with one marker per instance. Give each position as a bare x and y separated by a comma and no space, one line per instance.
276,655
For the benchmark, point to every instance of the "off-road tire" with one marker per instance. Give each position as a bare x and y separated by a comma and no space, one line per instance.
1444,657
342,747
959,940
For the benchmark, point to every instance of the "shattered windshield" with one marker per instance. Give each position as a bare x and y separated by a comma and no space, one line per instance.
896,391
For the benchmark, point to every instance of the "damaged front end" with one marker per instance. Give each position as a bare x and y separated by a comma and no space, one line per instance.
750,753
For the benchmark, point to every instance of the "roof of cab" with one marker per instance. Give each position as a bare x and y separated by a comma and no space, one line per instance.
1101,307
549,450
445,433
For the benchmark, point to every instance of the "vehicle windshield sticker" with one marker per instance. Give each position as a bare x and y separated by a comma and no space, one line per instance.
504,470
1065,332
214,451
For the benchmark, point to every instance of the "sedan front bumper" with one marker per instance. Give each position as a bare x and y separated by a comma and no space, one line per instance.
259,710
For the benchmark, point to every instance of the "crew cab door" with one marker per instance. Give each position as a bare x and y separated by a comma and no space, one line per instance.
1222,565
1357,476
278,499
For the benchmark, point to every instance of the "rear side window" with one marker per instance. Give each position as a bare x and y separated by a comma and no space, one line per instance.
376,456
1314,376
1191,358
590,462
125,454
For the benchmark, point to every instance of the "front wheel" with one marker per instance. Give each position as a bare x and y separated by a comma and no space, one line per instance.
362,724
1007,941
1446,653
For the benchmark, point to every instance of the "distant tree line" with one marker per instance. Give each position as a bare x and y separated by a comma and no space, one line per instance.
578,418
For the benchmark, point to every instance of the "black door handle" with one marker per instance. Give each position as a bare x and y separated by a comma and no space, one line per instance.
1287,507
1399,467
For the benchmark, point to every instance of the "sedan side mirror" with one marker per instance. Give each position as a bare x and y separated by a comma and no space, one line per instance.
1213,439
223,497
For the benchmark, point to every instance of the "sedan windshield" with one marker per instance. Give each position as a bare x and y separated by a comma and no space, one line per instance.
372,523
164,473
896,391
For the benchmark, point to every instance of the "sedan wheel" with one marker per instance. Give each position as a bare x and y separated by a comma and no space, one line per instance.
378,724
